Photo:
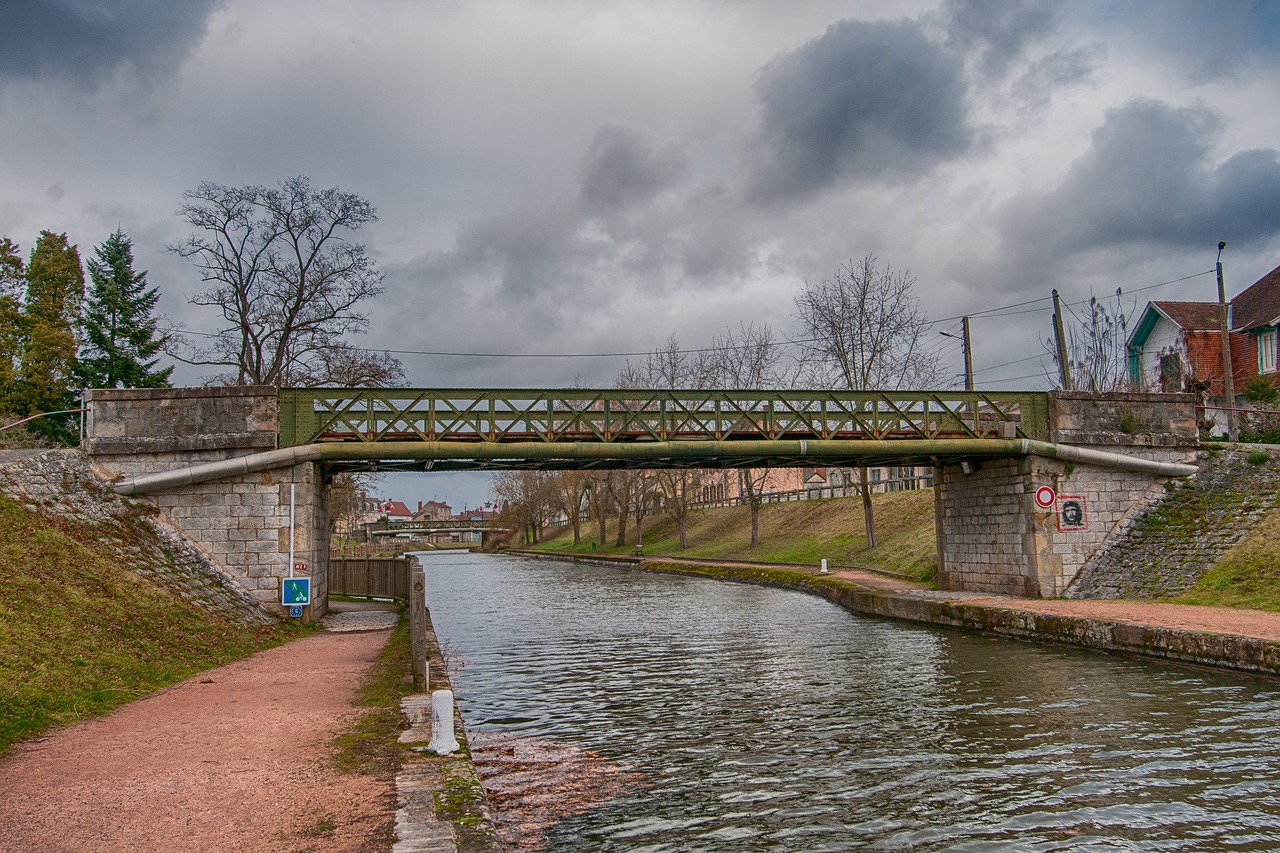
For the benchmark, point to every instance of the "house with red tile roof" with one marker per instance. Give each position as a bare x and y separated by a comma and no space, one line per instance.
1177,346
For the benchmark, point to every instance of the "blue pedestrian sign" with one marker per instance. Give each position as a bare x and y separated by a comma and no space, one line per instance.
295,591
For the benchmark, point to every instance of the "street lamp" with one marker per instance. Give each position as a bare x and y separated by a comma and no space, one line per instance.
968,352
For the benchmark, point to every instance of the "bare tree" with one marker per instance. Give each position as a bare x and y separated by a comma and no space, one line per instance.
287,279
746,359
572,491
865,330
527,499
1097,346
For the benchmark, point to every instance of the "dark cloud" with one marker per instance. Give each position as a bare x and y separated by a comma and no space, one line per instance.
1150,177
996,32
863,102
85,40
625,166
1050,74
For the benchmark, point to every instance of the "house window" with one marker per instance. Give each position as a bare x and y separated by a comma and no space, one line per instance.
1170,372
1267,352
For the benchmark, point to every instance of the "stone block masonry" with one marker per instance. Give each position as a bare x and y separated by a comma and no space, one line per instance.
241,521
62,483
994,537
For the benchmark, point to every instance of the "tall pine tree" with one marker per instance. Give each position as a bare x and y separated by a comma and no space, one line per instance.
51,316
119,329
11,288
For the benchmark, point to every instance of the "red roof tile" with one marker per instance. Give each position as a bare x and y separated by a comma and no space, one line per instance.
1206,316
1258,304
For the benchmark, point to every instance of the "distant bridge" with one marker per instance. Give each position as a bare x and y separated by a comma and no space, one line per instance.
426,527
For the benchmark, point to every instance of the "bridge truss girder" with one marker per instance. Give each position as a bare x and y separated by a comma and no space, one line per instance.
623,417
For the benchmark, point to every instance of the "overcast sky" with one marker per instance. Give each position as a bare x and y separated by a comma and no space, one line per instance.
592,177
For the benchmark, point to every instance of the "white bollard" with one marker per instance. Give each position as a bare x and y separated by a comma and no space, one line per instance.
442,740
824,565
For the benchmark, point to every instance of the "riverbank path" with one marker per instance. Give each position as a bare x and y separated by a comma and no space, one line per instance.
237,758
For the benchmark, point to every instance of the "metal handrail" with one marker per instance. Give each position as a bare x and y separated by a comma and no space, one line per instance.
311,415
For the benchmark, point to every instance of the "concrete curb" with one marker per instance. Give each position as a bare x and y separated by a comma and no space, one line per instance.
442,807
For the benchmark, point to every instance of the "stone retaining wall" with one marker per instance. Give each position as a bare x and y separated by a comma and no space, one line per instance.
241,521
62,483
1191,525
994,537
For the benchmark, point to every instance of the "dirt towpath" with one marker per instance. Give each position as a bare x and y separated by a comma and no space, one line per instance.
233,759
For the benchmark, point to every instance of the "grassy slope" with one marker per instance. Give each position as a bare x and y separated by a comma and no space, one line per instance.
80,634
807,531
800,532
1247,576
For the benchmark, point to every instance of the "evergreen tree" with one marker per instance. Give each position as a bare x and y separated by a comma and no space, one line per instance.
11,287
119,330
51,316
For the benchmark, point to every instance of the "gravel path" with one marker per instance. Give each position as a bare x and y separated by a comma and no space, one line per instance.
234,759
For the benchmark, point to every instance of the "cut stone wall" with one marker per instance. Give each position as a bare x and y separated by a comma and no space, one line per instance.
1196,521
242,521
993,536
62,483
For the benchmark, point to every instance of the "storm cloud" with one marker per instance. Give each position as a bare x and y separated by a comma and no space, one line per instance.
865,102
1150,177
85,41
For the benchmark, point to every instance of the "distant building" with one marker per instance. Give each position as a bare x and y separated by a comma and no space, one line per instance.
1177,346
433,511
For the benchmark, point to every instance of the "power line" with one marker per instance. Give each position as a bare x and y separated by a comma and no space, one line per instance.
999,311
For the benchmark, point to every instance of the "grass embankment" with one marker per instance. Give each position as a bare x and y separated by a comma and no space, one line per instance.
370,745
80,634
798,532
1247,576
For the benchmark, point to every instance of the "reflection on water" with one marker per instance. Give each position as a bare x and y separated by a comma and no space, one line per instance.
533,784
759,719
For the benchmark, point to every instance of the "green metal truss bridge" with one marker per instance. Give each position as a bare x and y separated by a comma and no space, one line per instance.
488,429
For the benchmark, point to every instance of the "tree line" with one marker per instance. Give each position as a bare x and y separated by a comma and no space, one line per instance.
860,329
285,278
58,335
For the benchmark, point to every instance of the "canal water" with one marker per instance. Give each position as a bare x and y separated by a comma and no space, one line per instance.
728,717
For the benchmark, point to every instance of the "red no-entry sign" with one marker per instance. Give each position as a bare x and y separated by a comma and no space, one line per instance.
1045,496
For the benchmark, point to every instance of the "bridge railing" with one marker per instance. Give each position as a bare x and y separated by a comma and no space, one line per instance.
310,415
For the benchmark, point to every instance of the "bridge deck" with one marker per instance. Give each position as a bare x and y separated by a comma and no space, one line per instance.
730,428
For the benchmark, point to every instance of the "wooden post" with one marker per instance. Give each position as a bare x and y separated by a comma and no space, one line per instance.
418,625
1228,374
1064,366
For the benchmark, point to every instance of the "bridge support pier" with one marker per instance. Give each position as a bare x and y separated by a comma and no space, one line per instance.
241,521
995,536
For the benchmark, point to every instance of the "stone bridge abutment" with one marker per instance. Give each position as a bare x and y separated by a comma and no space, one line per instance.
242,520
993,535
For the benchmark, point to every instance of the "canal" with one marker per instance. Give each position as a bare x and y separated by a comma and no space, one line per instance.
713,716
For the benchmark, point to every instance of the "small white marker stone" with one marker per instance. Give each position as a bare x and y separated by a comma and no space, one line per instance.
824,565
442,740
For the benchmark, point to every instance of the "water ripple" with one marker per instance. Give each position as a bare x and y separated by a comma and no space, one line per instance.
758,719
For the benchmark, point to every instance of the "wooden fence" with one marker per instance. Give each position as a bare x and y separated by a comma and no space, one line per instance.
397,578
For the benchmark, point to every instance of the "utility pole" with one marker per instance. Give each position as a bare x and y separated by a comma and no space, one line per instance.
1228,374
968,352
1064,367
